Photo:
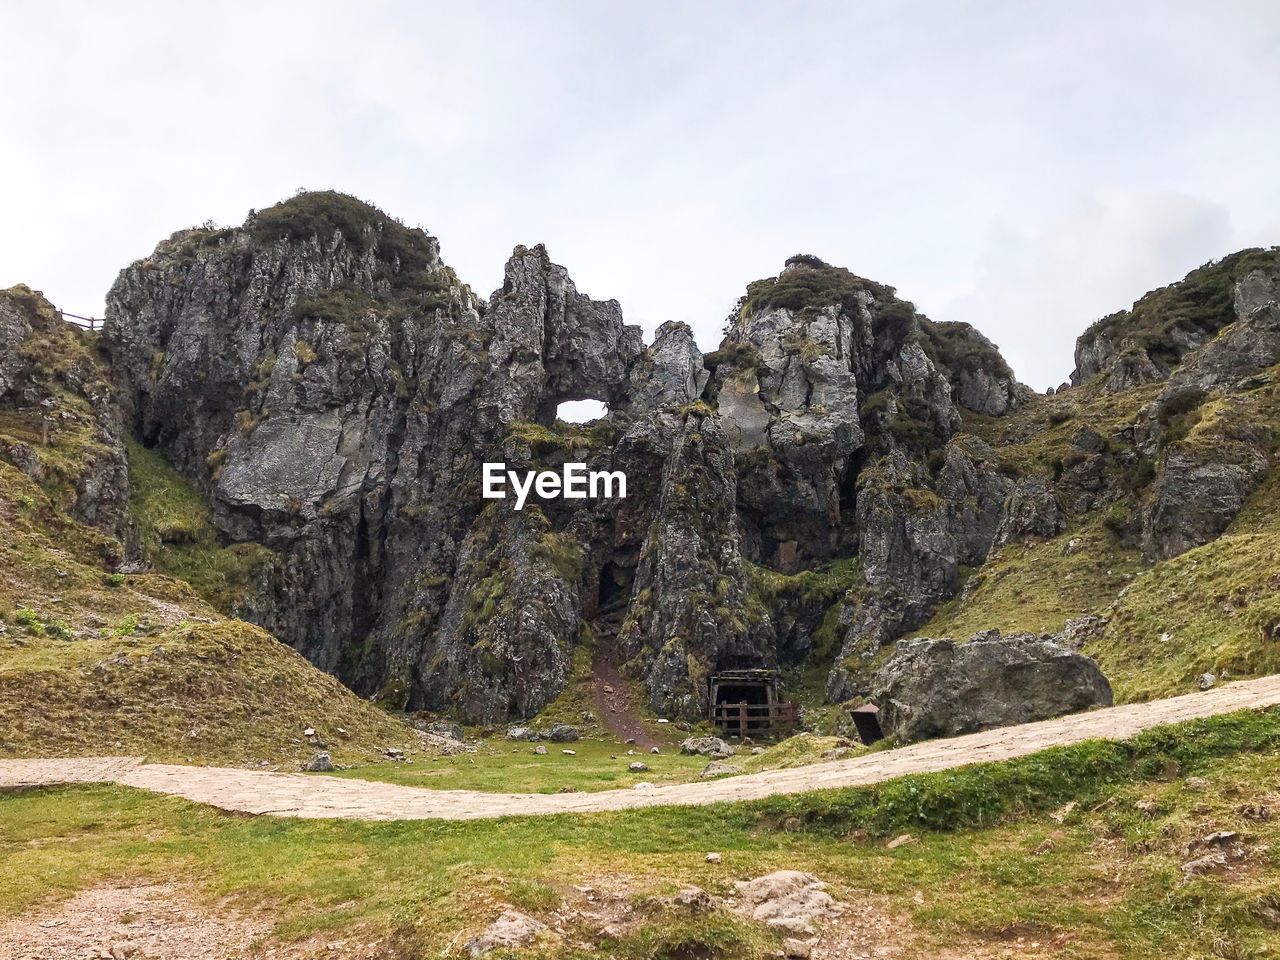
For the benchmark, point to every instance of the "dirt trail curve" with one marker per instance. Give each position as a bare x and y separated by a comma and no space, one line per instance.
300,795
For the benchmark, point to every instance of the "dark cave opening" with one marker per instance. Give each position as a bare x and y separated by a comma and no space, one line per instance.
614,592
748,693
848,489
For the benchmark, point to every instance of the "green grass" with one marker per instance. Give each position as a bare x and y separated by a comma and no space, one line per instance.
1037,587
1111,878
179,539
507,766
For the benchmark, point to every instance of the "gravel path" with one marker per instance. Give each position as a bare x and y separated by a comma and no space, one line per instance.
301,795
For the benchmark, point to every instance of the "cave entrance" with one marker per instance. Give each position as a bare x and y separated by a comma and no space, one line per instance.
848,488
615,588
750,703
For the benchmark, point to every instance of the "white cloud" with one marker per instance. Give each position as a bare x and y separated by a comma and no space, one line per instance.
667,156
1038,288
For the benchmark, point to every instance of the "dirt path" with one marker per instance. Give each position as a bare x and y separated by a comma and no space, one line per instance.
613,704
613,696
299,795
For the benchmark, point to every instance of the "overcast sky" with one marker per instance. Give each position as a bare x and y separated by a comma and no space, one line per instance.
1027,167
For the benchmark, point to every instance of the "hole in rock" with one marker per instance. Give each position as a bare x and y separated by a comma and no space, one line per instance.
581,411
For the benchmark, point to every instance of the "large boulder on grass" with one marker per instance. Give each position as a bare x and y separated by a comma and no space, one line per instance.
941,688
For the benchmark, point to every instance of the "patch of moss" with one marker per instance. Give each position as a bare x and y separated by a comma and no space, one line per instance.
560,437
322,213
960,348
178,537
809,285
346,306
563,552
740,354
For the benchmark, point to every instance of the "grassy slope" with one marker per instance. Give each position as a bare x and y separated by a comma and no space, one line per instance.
1106,882
99,662
93,662
1037,587
1213,609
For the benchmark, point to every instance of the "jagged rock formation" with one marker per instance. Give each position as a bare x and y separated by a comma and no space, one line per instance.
55,392
940,688
335,389
1144,344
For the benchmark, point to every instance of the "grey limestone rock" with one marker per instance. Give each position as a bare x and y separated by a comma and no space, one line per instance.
938,688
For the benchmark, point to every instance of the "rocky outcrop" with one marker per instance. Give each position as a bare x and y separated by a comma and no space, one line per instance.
1208,440
326,377
1202,486
689,611
334,388
511,931
68,428
939,688
1146,343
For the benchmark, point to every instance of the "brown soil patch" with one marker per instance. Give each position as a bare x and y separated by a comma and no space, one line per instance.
614,704
146,922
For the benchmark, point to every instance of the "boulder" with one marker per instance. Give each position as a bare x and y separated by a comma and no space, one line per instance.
712,747
563,733
320,763
718,768
448,729
788,900
693,900
939,688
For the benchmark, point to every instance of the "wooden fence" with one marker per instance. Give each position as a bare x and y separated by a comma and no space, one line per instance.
755,719
84,323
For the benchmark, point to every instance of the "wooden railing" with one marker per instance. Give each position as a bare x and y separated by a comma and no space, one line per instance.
84,323
753,719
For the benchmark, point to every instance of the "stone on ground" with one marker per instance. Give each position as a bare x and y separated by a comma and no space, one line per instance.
718,768
511,931
788,900
712,747
320,763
